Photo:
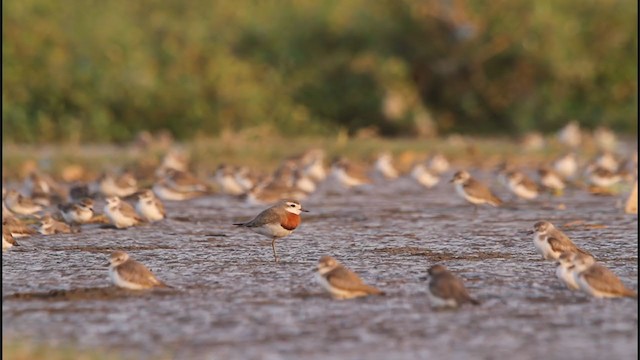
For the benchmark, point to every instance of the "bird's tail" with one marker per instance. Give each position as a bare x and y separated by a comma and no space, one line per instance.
630,293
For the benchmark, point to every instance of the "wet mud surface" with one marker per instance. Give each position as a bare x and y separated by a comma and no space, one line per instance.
231,301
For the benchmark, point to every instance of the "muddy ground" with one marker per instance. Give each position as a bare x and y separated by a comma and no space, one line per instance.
231,301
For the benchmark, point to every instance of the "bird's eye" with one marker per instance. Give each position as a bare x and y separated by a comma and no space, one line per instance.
293,205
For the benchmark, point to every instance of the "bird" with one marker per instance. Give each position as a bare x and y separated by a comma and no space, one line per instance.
566,268
566,165
438,163
348,174
474,191
226,179
425,177
165,192
384,167
341,282
50,226
551,242
184,181
20,204
124,185
598,281
16,227
446,289
120,213
78,212
7,239
551,180
521,185
149,206
127,273
277,221
570,134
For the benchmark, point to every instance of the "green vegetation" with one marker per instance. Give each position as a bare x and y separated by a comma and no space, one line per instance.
82,70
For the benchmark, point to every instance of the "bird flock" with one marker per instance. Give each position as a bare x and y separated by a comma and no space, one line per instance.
45,206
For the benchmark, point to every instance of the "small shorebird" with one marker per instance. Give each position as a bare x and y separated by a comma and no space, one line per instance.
551,180
570,134
130,274
165,192
124,185
149,206
551,242
521,185
341,282
446,289
50,226
474,191
348,174
16,227
566,165
438,163
7,239
277,221
607,160
424,176
184,181
603,178
565,271
77,213
121,213
226,179
598,281
20,204
384,166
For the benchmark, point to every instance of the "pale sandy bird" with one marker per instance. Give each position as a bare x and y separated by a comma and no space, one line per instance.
551,180
79,212
521,185
50,226
565,271
184,181
123,185
120,213
605,138
175,159
19,204
438,163
277,221
7,239
384,166
598,281
566,165
421,174
446,289
348,174
607,160
165,192
40,188
127,273
474,191
17,227
341,282
226,179
570,134
312,164
603,178
150,207
272,192
551,242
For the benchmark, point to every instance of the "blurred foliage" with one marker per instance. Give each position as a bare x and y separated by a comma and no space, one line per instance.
88,70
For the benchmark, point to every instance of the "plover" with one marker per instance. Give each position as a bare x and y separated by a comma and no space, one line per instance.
438,163
19,204
598,281
7,239
226,179
570,134
341,282
50,226
384,166
551,180
566,165
150,207
566,268
424,176
277,221
120,213
127,273
17,227
446,289
165,192
123,185
473,191
551,242
521,185
184,181
77,213
348,174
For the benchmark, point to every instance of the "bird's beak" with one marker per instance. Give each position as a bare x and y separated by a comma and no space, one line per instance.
530,232
304,210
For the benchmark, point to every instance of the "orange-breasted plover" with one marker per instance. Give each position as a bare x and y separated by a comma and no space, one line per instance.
77,213
50,226
150,207
127,273
598,281
277,221
20,204
551,242
121,213
446,289
341,282
474,191
7,239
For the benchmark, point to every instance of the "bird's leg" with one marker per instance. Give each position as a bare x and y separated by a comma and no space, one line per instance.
275,254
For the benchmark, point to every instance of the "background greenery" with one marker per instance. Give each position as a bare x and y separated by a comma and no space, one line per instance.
89,70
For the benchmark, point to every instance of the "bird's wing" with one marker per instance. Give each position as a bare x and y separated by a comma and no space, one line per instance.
129,211
268,216
603,279
477,189
346,279
160,206
560,245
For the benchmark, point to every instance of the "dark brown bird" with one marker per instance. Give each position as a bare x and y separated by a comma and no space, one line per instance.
447,290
